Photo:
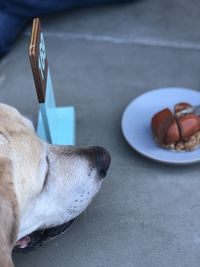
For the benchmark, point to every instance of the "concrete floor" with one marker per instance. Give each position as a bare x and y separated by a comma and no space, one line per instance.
146,214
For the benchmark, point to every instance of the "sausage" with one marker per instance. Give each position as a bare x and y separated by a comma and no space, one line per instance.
188,125
181,106
165,127
172,134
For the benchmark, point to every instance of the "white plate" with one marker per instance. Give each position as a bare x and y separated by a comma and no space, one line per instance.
136,123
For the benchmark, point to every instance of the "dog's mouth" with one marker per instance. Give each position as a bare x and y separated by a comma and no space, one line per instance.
39,237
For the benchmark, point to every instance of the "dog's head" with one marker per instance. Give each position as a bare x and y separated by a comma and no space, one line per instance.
52,184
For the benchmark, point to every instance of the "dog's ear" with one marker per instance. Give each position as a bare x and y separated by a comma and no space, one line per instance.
8,214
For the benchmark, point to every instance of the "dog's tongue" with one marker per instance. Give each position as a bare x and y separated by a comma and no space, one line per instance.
23,242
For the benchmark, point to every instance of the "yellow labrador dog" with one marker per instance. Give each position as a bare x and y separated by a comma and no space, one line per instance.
41,185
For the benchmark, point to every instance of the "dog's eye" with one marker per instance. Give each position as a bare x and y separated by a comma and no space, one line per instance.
47,173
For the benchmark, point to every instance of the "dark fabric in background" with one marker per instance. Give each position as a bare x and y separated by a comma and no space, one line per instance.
15,14
30,8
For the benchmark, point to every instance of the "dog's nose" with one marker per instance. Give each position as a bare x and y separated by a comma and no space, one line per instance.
100,158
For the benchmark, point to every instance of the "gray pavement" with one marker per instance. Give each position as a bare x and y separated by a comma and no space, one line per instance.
146,214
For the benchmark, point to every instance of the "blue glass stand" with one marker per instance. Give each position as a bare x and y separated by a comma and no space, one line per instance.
56,125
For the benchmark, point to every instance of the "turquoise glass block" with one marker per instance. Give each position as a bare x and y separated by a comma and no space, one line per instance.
56,125
61,122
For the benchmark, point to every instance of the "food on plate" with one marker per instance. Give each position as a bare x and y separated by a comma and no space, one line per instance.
176,131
